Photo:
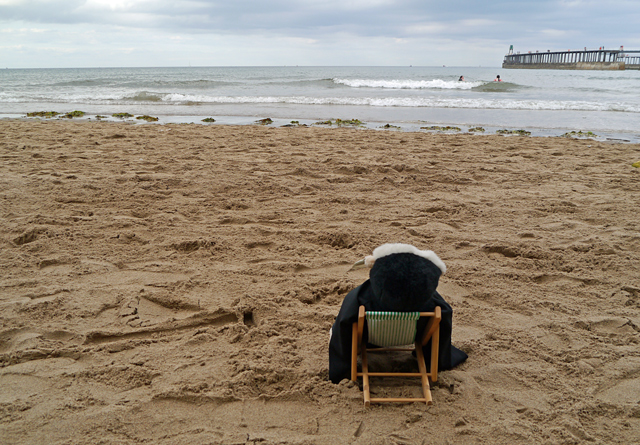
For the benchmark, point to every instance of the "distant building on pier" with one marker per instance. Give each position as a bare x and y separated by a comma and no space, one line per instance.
596,59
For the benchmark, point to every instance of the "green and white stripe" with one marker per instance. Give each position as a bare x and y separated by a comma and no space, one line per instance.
392,328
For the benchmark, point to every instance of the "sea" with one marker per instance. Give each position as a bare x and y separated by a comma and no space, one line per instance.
543,102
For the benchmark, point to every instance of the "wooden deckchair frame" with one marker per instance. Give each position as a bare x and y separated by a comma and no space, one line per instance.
431,332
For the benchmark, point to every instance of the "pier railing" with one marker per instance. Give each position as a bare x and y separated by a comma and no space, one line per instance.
599,59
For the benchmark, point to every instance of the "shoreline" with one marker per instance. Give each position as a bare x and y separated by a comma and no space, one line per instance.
444,127
545,103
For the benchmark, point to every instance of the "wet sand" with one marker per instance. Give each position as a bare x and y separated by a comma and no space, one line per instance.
175,284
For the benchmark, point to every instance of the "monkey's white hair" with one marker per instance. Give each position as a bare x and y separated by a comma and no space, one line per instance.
391,248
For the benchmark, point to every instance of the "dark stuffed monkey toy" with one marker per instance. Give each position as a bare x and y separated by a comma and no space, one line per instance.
402,278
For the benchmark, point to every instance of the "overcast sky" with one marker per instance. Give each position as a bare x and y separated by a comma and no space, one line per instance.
113,33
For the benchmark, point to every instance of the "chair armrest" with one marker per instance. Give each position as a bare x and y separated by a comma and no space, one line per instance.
434,323
361,312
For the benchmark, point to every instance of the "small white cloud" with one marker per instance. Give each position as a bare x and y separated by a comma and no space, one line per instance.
301,40
475,23
427,28
554,32
23,30
351,4
366,4
574,3
114,5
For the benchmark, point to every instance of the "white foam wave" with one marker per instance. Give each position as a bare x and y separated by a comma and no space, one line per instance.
428,102
409,84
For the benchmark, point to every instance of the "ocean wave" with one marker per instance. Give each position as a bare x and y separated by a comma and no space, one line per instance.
408,84
83,83
145,96
324,83
192,83
429,102
497,87
141,84
170,99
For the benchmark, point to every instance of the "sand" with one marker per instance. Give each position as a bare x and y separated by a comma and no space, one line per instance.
175,284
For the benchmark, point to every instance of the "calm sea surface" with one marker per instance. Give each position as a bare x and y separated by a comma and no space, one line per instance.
547,102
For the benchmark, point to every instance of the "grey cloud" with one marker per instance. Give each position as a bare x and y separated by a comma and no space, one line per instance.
529,25
197,16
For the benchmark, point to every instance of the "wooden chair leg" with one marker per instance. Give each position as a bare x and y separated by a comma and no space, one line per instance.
365,377
354,352
435,344
423,374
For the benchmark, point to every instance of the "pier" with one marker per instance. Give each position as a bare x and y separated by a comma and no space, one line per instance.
597,59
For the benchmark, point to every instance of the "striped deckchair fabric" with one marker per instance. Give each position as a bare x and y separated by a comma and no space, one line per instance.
392,328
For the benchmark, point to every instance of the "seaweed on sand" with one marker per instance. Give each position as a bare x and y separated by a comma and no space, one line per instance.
294,124
518,132
148,118
73,114
341,122
122,115
45,114
580,134
436,128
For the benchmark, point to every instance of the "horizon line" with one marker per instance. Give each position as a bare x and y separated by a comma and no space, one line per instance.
254,66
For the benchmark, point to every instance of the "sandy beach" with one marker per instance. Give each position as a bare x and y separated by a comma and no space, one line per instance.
175,284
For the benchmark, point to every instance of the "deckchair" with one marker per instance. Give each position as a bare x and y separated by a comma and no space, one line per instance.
388,330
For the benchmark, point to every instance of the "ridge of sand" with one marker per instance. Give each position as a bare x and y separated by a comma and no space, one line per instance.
176,284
